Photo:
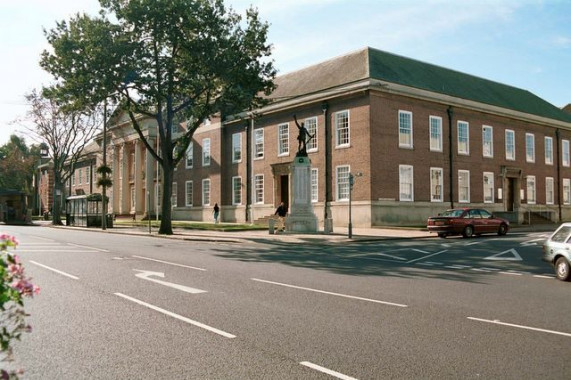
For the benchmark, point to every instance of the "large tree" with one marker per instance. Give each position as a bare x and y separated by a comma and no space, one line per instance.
169,60
66,132
17,163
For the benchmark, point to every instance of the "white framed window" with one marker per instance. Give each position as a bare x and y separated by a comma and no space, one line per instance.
132,191
283,139
406,183
489,187
73,178
435,133
205,192
311,126
566,191
87,174
237,147
405,129
188,193
463,137
530,147
259,188
565,152
436,184
174,198
79,175
314,185
342,181
206,152
510,145
463,186
258,143
530,184
549,192
236,190
342,135
189,157
549,150
487,141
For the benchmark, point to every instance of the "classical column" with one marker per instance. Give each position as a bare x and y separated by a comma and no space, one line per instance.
149,180
138,179
125,204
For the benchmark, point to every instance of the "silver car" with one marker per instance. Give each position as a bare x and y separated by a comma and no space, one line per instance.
557,251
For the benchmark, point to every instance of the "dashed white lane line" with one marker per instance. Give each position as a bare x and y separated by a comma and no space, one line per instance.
327,371
520,326
55,270
169,263
329,293
177,316
543,276
85,246
512,273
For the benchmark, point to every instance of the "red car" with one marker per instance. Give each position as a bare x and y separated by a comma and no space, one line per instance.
467,222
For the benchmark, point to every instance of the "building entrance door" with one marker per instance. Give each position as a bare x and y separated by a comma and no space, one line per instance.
284,189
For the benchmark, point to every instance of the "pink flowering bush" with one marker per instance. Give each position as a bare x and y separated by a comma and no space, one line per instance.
14,286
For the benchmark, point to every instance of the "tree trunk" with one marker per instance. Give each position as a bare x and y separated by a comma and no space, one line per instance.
166,222
56,204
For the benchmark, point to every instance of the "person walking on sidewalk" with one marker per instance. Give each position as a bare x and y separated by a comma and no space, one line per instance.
216,213
281,212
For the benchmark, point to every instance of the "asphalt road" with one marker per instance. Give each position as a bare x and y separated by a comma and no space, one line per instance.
128,307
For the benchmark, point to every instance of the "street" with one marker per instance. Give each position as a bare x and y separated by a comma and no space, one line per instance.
125,307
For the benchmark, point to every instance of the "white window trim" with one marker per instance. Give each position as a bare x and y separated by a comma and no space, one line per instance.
491,155
234,160
534,200
337,198
188,202
530,155
549,180
567,184
234,191
256,189
440,148
206,142
565,158
548,158
336,129
207,180
314,139
411,144
411,198
509,131
316,171
467,200
491,176
286,151
189,149
467,151
261,131
440,182
174,194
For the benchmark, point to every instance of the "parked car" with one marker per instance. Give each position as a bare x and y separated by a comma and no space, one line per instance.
556,251
467,222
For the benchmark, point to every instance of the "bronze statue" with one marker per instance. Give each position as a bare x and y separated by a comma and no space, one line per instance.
302,138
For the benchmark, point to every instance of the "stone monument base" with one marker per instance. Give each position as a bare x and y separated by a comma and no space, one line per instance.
301,223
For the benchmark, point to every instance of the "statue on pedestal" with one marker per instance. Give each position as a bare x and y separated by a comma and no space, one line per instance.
302,138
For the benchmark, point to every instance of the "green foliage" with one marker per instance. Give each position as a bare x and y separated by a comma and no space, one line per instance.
17,163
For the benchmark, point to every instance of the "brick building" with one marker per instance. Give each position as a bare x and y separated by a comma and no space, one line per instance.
418,138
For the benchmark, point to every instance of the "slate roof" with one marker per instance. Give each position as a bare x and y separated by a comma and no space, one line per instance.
369,63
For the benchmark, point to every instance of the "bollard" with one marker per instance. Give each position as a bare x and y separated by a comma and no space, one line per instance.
271,225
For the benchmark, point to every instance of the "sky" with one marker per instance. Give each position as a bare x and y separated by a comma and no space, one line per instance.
521,43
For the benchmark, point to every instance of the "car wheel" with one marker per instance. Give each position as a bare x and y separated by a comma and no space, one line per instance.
562,269
502,230
442,235
468,231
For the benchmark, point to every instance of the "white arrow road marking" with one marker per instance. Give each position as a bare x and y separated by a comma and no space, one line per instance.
177,316
145,274
513,252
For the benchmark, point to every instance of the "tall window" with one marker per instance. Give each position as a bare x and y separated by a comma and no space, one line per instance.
205,192
406,185
189,158
311,126
549,150
463,138
314,188
73,178
488,187
87,174
236,147
531,197
258,143
566,191
530,147
436,184
188,193
464,186
174,198
79,175
405,129
487,141
283,139
342,183
342,129
549,195
435,133
259,188
236,190
565,152
510,145
206,152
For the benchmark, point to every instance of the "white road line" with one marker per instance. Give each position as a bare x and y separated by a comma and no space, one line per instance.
55,270
425,257
520,326
330,293
327,371
53,250
169,263
420,250
177,316
512,273
85,246
458,266
543,276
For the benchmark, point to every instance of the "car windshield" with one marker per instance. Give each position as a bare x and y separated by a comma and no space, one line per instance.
561,234
453,213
